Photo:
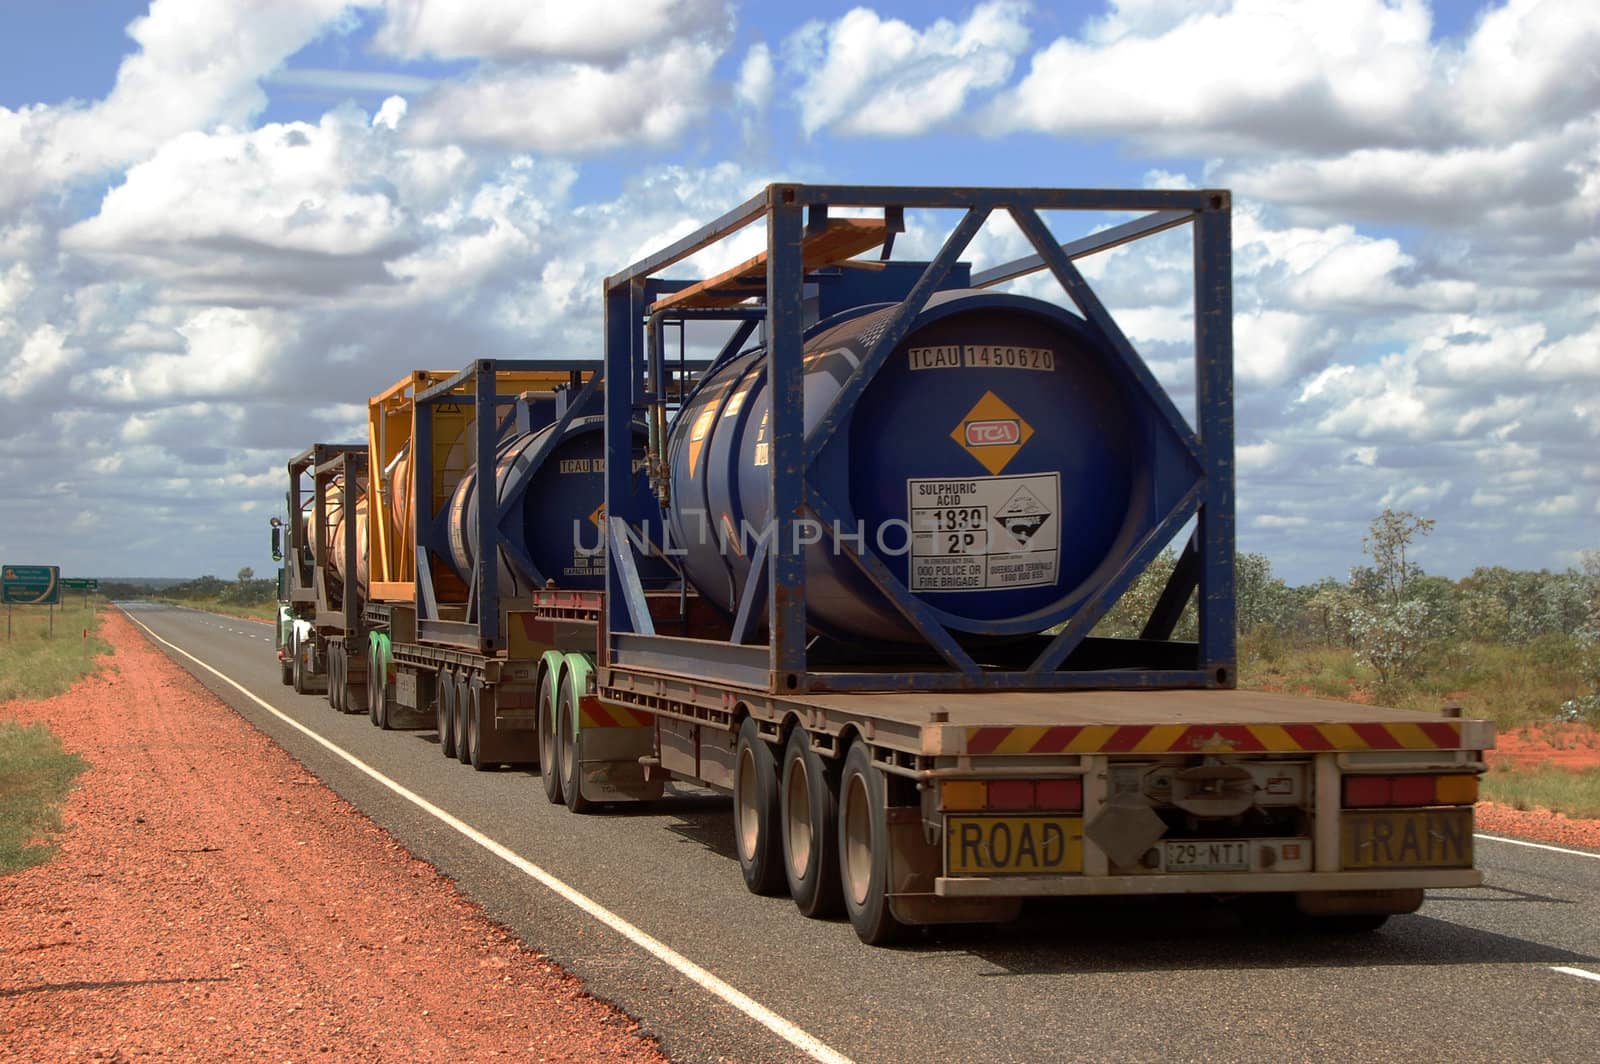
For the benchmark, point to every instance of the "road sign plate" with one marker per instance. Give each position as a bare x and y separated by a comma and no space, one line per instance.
34,585
80,583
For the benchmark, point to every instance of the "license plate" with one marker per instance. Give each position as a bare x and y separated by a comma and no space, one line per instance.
1412,838
1208,856
1013,845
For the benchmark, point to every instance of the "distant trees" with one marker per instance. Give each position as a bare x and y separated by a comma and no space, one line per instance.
1387,543
1126,619
1396,614
245,591
1260,599
1588,633
1405,625
1501,605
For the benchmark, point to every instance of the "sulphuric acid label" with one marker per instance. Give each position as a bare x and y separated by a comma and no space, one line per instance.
984,533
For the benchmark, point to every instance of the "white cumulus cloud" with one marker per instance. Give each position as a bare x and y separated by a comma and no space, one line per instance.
596,31
864,74
573,108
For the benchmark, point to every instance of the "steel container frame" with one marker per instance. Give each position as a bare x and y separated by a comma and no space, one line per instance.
791,213
308,585
480,384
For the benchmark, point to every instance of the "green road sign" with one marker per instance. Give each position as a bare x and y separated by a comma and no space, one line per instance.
32,585
80,583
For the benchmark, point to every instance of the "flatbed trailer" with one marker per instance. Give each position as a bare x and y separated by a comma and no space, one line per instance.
972,781
971,774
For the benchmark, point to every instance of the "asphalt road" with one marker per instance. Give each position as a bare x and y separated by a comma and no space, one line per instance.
1509,971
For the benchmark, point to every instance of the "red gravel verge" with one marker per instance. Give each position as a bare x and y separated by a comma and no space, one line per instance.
1539,824
213,900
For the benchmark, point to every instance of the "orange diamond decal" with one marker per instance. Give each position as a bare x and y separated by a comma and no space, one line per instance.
697,436
599,516
992,432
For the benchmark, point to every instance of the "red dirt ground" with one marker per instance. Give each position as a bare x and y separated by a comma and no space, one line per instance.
213,900
1575,747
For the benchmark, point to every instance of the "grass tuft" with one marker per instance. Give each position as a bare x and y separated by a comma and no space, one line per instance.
34,665
1513,686
35,776
1576,794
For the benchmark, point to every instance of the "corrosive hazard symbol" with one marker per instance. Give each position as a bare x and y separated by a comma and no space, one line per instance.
1023,515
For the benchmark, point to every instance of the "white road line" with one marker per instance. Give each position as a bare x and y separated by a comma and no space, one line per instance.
779,1026
1540,846
1579,972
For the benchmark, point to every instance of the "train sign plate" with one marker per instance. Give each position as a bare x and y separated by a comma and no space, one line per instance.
33,585
1013,845
1408,838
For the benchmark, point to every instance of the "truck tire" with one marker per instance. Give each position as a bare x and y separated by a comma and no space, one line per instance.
446,712
344,679
335,677
864,849
809,799
286,671
549,742
464,715
375,691
355,694
475,728
571,762
757,834
299,679
379,692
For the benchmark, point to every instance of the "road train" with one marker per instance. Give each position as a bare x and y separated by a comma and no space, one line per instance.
845,566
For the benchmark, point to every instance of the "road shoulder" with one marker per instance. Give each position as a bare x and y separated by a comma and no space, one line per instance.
212,898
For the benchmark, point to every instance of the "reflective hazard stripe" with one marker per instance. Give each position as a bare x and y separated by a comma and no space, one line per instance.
592,713
1193,738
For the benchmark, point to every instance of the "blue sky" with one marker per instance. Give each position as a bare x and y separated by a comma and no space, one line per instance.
207,204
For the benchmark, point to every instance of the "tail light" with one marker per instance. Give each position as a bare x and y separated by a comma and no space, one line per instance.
1059,795
1362,792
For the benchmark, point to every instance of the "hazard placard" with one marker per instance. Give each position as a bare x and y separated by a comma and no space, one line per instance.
983,533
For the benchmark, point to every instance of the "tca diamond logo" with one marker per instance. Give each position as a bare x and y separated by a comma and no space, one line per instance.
992,432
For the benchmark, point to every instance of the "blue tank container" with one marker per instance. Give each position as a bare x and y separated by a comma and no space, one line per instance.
554,529
1001,463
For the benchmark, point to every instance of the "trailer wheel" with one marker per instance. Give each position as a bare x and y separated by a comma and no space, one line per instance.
344,679
463,712
354,693
300,669
379,690
286,670
446,712
474,732
864,849
757,834
334,686
810,803
375,689
571,764
549,741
